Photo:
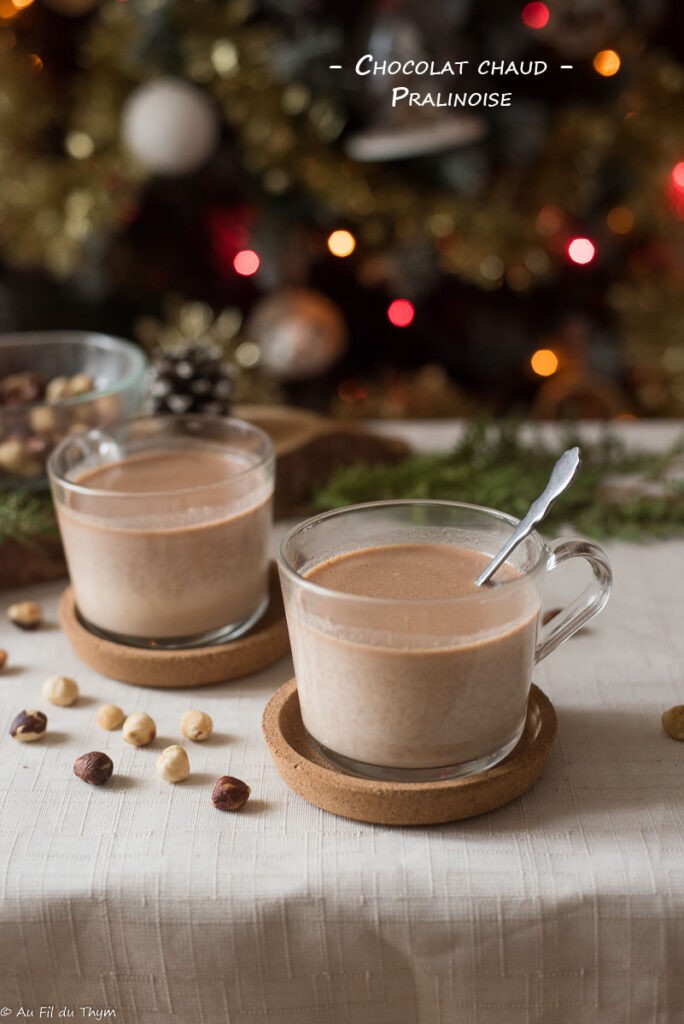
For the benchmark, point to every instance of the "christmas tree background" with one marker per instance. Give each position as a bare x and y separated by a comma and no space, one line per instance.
192,170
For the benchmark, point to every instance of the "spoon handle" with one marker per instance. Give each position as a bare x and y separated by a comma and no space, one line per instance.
561,475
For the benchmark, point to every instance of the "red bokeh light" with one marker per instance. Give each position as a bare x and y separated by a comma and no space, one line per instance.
678,176
581,250
535,15
246,262
401,312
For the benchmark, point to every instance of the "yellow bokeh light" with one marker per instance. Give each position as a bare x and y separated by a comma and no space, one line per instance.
620,220
544,362
341,243
607,63
21,4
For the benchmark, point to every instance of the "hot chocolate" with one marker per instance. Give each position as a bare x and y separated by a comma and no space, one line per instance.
176,547
415,677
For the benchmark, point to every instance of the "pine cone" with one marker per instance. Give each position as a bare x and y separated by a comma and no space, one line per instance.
194,379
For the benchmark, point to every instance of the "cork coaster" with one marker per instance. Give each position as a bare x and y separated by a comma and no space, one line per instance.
401,803
266,642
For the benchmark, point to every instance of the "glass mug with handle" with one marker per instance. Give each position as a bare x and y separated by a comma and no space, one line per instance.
405,669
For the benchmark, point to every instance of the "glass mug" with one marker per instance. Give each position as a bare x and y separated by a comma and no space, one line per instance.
165,522
418,688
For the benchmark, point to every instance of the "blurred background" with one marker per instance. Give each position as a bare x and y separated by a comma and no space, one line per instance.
193,172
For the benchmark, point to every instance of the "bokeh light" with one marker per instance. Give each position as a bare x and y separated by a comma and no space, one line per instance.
607,63
535,15
678,176
620,220
581,251
246,262
401,312
544,362
341,243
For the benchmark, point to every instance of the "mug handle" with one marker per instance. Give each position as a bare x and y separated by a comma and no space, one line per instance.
590,601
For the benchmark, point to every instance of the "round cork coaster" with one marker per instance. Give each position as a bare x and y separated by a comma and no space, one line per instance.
402,803
264,643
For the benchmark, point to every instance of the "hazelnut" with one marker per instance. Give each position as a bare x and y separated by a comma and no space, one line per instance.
25,614
43,419
81,384
57,389
60,690
16,458
29,725
110,716
21,388
173,764
139,729
230,794
673,722
196,725
3,658
94,767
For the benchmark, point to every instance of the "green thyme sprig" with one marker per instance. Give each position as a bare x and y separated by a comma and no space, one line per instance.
497,465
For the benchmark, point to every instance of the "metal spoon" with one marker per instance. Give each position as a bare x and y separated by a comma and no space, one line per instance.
561,476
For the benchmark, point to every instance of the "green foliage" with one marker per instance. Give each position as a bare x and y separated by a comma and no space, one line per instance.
498,465
26,517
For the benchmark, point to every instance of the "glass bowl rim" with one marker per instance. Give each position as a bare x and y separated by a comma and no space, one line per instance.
103,342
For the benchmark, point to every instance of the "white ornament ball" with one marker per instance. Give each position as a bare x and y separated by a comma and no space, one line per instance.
170,126
300,334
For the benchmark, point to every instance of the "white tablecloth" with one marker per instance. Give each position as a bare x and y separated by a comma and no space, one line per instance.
140,902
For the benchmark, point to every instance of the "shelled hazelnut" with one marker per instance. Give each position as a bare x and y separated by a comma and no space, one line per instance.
81,384
110,716
3,658
94,767
60,690
25,614
28,725
196,725
230,794
673,722
17,458
139,729
57,389
21,388
173,764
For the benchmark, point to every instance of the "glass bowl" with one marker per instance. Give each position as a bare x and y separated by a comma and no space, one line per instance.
109,386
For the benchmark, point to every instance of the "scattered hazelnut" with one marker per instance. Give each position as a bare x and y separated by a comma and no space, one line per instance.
673,722
230,794
3,658
29,725
139,729
60,690
94,767
25,614
110,716
196,725
173,764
